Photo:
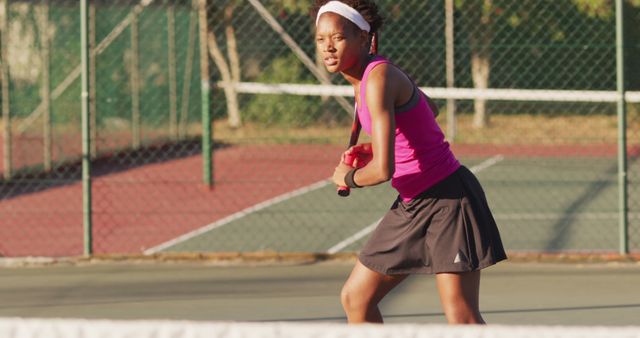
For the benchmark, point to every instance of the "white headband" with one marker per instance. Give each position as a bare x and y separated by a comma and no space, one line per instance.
345,11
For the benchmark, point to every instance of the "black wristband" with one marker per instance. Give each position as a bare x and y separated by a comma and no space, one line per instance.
349,179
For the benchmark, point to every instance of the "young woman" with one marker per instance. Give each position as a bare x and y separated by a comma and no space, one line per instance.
440,223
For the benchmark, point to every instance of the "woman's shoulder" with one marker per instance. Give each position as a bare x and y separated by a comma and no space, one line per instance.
386,73
377,62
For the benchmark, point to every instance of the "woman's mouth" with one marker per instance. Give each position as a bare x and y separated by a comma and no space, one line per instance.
330,61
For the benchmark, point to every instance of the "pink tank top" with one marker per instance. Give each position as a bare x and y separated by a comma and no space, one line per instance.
422,156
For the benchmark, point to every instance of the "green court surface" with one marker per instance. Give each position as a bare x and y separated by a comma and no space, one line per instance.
540,204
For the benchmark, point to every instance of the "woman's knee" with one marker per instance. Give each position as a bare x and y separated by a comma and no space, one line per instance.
354,300
348,298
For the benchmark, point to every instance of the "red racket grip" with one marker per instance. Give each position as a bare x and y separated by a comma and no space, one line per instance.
345,191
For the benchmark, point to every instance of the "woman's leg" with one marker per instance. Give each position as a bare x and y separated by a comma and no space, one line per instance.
363,291
459,295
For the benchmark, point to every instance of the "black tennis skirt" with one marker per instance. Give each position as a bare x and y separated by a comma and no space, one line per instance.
448,228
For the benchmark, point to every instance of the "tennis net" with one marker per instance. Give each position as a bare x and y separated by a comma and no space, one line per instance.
76,328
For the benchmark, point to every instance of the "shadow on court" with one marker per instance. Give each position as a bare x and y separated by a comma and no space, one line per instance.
31,180
565,226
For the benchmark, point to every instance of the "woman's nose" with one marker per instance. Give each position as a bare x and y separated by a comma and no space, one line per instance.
328,47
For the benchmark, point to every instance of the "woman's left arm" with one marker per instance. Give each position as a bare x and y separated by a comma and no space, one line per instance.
381,95
382,89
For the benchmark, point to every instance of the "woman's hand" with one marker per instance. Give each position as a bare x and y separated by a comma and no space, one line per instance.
340,172
359,155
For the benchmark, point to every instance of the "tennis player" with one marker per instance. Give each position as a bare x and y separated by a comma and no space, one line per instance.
440,223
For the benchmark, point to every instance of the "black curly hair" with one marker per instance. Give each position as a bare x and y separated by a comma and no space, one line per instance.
367,8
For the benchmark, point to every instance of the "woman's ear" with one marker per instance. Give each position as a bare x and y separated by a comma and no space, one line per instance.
373,49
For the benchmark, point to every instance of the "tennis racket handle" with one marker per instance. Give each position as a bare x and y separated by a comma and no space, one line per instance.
345,191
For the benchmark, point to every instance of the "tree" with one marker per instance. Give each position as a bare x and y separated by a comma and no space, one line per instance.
479,19
229,69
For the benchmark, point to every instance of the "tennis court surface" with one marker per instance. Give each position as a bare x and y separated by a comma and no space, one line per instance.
511,293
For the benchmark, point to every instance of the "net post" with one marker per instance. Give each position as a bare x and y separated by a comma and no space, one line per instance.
207,134
93,108
86,129
623,203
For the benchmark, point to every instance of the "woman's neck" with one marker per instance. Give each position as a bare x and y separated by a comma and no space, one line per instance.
354,74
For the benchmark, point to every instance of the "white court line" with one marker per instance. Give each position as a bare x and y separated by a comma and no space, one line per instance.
486,164
233,217
360,234
354,238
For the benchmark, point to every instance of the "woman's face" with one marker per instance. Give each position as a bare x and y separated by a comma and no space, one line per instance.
340,42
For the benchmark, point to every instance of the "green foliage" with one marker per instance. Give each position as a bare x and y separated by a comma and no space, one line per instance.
286,111
601,9
292,6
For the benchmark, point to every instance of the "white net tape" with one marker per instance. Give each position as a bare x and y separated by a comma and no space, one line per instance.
543,95
55,328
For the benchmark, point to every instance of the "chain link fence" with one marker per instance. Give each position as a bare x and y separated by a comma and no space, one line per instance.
526,90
